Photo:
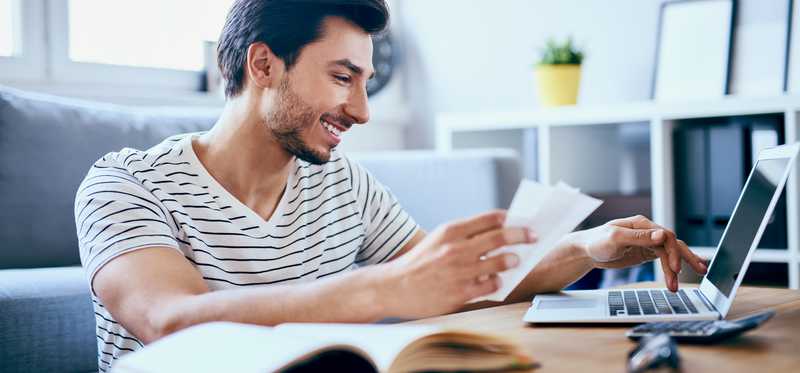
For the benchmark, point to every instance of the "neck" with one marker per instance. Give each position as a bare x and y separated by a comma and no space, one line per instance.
241,155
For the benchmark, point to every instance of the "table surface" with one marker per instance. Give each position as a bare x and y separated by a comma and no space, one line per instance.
773,347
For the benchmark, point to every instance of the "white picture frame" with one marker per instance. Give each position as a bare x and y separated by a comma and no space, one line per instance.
688,29
759,52
792,84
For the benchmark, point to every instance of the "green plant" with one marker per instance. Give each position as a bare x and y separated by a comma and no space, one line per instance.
560,54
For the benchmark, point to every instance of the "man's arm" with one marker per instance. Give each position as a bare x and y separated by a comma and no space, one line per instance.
414,241
155,291
619,243
558,269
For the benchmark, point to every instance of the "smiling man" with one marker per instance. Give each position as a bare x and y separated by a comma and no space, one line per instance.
261,220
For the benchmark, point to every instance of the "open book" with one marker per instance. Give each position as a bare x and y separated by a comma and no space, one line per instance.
231,347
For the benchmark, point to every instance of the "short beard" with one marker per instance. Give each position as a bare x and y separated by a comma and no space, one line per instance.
287,120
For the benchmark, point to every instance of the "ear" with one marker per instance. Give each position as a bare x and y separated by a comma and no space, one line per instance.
262,66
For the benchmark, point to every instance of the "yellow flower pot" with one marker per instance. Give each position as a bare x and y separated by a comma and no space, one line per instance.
558,84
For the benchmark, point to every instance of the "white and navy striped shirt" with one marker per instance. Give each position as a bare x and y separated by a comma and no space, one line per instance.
331,218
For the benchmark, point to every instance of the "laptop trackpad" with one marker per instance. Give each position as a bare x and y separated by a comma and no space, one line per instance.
551,304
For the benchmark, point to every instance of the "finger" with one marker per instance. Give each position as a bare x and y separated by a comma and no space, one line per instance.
465,228
669,276
648,254
494,239
637,221
638,256
639,237
640,221
673,251
631,259
496,264
697,263
670,243
483,287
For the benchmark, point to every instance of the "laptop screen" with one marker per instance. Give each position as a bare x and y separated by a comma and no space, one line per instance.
745,222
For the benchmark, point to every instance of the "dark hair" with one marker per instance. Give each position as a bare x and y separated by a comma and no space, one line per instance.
286,26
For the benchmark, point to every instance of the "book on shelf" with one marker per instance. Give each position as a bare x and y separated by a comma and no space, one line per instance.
298,347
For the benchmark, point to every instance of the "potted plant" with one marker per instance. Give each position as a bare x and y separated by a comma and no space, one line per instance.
558,73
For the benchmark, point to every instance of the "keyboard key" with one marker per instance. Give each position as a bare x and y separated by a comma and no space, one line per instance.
631,303
615,303
648,308
687,301
675,302
660,302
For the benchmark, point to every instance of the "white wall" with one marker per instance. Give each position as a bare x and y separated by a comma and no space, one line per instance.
467,55
470,55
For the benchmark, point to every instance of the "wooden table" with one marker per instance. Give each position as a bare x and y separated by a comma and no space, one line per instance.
773,347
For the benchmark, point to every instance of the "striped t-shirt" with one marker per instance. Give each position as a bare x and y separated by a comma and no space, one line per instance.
331,218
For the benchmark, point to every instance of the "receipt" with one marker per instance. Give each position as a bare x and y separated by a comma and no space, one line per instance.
551,212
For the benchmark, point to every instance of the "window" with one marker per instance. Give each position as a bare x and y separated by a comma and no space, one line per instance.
129,51
7,33
22,56
144,33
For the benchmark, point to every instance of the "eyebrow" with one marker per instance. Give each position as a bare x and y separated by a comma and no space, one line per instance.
357,70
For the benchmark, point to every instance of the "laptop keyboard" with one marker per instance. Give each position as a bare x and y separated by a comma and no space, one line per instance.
649,302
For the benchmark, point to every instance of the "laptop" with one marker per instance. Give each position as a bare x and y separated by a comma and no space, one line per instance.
713,298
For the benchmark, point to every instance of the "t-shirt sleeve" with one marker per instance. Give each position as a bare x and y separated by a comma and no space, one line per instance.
388,227
116,214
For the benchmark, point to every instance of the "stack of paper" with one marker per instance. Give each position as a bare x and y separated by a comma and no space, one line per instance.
551,212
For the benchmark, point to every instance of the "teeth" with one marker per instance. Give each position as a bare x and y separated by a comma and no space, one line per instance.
331,128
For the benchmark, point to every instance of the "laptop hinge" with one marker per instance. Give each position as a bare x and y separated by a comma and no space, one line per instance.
706,301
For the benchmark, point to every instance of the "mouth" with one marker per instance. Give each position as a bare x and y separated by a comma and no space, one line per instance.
334,130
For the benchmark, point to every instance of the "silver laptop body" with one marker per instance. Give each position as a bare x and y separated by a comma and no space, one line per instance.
713,298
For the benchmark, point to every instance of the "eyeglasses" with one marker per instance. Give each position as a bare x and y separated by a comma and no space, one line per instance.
655,352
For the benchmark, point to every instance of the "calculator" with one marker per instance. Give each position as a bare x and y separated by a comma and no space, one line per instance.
701,332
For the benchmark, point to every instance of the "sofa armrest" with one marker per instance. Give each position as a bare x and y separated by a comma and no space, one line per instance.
437,187
47,321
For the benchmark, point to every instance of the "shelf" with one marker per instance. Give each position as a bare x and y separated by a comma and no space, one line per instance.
613,147
644,111
559,116
760,256
729,106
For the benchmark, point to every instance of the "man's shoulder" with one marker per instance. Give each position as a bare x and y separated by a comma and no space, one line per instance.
132,159
133,166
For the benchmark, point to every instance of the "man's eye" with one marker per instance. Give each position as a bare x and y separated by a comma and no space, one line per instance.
342,78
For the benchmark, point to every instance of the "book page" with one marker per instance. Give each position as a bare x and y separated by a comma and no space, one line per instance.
382,342
232,347
220,347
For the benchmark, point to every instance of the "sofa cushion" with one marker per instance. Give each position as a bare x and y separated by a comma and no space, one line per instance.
47,145
436,187
47,321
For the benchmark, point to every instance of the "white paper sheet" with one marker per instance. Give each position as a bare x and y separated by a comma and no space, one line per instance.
551,212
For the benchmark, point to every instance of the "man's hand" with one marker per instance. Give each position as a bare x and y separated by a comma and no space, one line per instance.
451,266
634,240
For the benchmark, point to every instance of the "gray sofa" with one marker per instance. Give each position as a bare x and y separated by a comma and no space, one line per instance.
47,145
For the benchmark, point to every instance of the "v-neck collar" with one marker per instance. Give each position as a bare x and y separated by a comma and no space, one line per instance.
265,226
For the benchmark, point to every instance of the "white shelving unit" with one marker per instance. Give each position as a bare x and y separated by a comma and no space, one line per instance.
555,127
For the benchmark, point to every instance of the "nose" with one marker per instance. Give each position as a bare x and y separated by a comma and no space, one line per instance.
357,106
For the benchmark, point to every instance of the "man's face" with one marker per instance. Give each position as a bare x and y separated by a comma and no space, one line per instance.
324,93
